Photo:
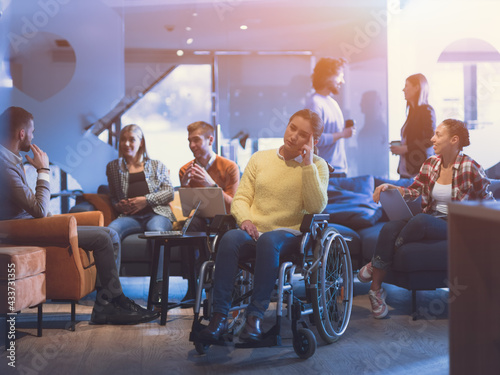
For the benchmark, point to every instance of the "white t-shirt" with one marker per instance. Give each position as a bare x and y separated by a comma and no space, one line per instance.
329,111
441,195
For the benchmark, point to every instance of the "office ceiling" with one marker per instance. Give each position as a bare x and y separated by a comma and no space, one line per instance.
272,25
320,26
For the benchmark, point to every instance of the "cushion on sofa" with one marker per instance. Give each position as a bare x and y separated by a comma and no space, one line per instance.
495,188
353,243
422,256
350,202
102,203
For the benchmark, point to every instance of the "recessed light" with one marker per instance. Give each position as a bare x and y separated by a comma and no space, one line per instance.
243,27
188,28
180,52
195,14
189,41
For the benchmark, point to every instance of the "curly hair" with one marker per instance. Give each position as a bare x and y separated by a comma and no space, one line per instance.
325,68
458,128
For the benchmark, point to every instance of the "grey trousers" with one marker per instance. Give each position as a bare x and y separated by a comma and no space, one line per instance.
104,243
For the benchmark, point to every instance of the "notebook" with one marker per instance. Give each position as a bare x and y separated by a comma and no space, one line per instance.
174,233
211,199
394,205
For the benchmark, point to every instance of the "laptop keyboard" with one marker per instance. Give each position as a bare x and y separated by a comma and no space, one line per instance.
164,233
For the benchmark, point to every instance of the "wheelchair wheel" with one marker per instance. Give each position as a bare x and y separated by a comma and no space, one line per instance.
304,343
236,317
332,299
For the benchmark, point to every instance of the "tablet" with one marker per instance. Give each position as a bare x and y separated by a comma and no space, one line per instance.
394,205
211,198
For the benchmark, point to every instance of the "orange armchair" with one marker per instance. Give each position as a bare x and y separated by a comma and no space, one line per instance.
70,270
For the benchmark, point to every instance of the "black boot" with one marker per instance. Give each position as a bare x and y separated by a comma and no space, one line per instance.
252,331
215,329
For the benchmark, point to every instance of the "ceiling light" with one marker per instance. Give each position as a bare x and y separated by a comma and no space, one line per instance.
180,52
195,14
243,27
189,41
188,28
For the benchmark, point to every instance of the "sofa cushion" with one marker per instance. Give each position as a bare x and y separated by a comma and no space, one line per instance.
421,256
350,202
495,188
102,203
353,243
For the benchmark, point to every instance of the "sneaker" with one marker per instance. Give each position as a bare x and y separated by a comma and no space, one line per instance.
365,273
122,311
377,300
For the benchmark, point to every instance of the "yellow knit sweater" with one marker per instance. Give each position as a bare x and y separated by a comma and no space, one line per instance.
274,193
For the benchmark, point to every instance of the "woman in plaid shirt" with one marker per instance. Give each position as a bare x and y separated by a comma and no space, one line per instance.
140,188
447,176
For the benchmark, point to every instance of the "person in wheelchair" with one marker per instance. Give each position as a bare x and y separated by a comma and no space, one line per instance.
277,189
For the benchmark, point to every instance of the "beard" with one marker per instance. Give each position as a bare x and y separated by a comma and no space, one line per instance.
334,89
25,146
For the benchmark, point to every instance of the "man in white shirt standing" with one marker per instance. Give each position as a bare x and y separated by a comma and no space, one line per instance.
327,78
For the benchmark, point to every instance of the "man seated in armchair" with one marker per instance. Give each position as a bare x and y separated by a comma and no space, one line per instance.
18,201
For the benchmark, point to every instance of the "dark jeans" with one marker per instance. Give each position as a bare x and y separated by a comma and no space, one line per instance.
103,242
126,225
237,245
396,233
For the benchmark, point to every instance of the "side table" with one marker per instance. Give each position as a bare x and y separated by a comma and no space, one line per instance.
193,240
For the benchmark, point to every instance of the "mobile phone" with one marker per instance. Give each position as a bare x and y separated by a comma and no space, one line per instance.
350,123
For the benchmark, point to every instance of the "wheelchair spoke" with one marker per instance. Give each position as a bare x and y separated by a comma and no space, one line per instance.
334,290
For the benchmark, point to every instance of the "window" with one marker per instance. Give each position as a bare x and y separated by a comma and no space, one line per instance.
466,86
183,97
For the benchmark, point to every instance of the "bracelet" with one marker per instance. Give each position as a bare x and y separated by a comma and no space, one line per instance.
43,169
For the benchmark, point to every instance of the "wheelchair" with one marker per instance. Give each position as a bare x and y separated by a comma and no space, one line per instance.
323,262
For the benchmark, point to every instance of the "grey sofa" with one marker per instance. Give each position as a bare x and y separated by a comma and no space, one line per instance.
416,266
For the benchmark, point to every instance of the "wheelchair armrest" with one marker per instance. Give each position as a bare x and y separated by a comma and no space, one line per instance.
222,223
310,219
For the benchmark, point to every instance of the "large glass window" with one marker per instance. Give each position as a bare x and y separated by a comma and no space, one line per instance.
183,97
470,91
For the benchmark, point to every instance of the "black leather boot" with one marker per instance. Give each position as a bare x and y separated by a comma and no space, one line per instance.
215,329
252,330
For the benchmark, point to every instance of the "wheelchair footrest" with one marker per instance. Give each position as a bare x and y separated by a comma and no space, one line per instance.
269,338
265,342
222,341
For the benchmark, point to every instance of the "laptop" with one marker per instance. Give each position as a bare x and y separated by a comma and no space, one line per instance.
211,199
174,233
394,205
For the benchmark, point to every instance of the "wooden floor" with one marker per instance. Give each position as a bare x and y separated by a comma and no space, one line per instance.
396,345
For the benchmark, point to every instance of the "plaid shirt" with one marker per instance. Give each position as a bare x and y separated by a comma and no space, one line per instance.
469,181
161,190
